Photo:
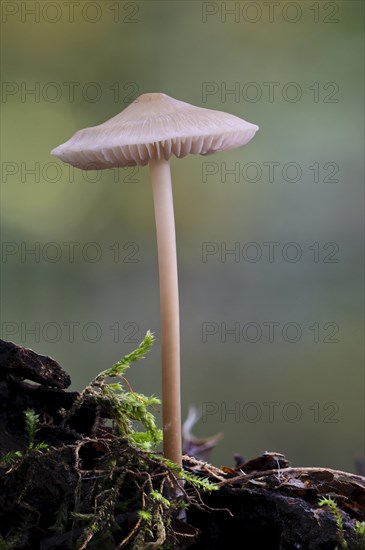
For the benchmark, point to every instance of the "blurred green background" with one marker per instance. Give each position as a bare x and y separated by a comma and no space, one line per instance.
293,373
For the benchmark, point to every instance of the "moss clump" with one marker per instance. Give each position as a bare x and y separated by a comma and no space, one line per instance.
108,489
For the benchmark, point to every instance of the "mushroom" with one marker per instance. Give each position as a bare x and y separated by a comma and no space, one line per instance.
150,130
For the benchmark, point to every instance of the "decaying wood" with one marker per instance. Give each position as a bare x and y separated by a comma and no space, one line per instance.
261,503
25,363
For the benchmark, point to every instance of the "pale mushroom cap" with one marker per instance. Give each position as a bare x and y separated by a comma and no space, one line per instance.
154,126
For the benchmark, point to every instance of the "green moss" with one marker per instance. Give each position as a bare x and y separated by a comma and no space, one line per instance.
336,512
31,426
126,407
125,493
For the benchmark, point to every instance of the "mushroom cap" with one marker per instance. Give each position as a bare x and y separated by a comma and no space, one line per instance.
154,126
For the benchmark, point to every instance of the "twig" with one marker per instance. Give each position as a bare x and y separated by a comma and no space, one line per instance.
291,470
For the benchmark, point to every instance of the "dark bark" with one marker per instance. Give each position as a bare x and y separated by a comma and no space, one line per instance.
25,363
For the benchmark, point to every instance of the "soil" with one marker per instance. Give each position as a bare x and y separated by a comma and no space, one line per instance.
87,488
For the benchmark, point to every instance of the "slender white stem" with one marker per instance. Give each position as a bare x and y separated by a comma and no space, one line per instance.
169,306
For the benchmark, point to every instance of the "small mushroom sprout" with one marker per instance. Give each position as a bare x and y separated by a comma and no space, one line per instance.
149,131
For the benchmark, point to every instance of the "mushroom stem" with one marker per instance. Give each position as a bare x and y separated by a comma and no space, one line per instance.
169,307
